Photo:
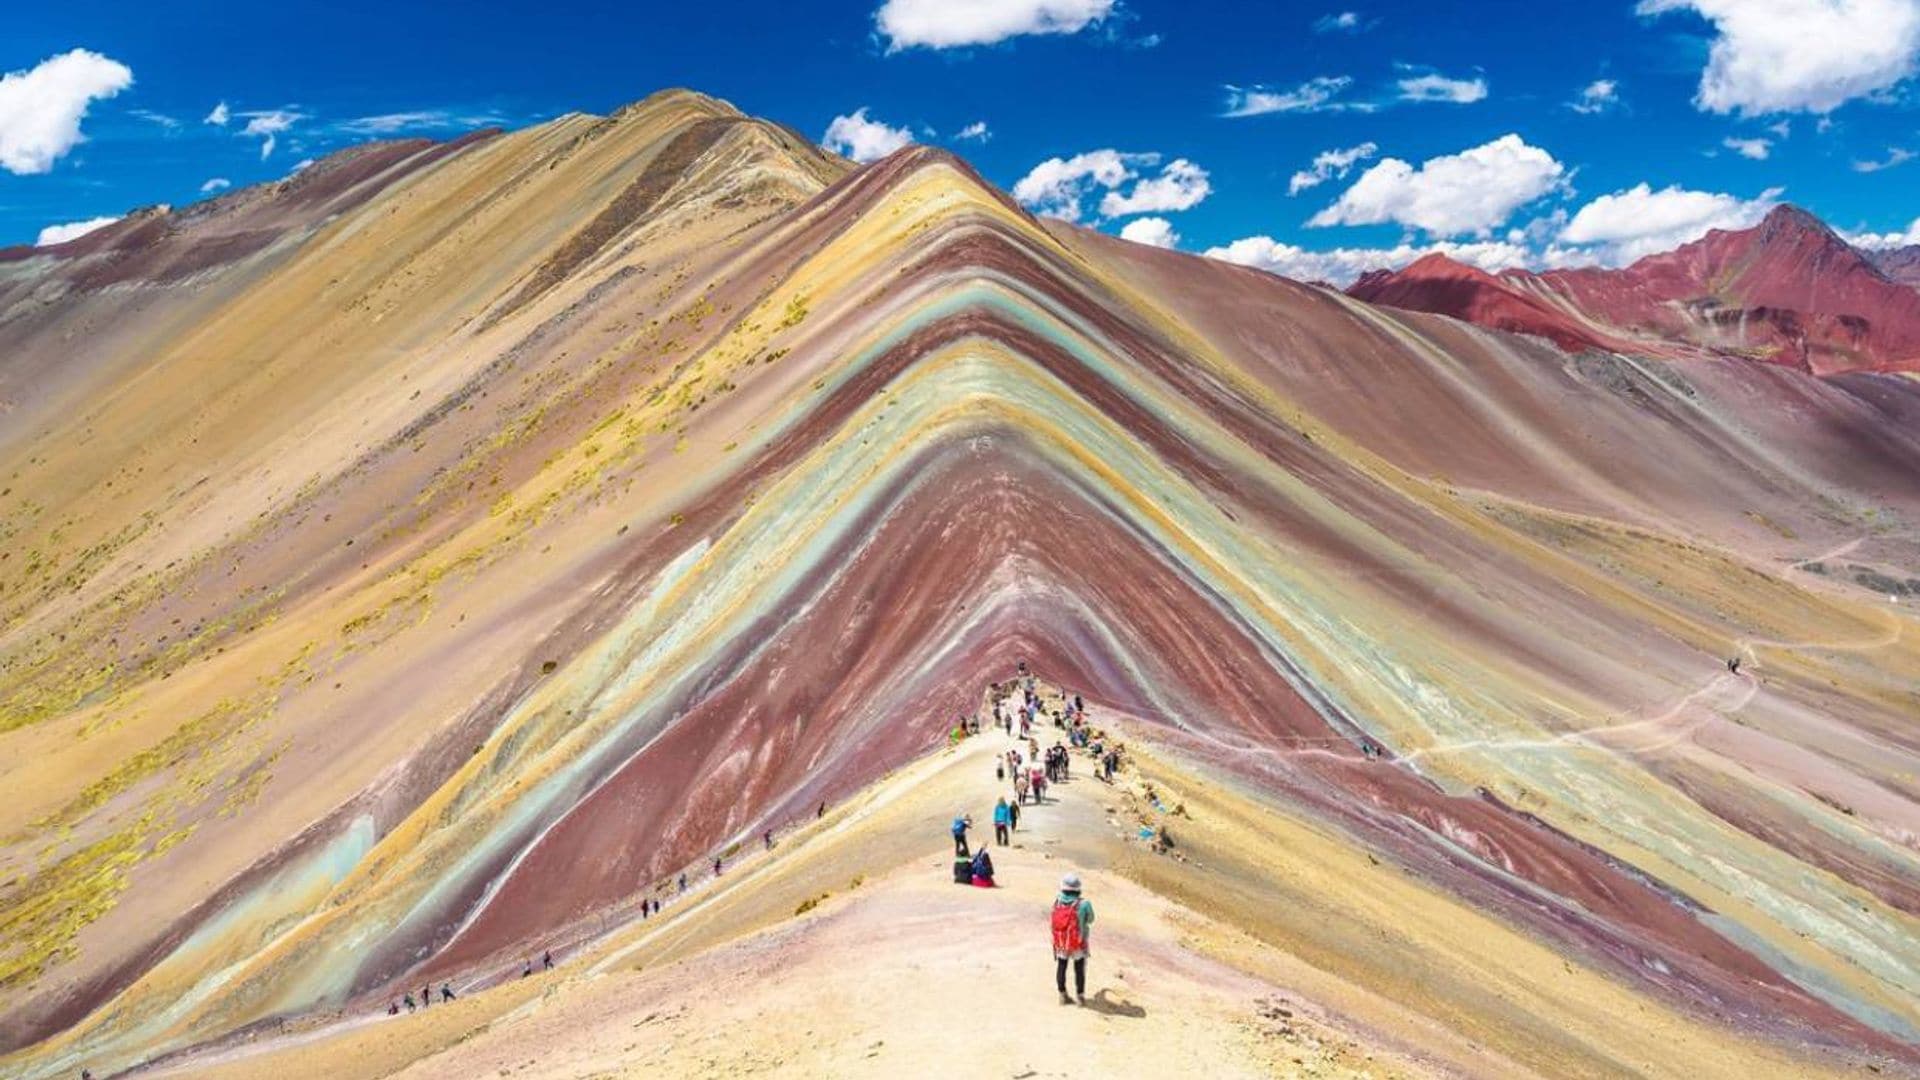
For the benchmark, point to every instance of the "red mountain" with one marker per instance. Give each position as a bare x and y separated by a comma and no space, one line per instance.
1787,291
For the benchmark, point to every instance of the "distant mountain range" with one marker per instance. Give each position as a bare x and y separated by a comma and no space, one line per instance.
1788,291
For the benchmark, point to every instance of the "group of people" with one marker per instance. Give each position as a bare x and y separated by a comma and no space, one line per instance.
426,998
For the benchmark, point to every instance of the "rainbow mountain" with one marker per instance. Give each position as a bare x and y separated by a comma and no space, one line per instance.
410,565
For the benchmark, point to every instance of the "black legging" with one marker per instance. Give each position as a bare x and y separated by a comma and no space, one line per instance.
1079,974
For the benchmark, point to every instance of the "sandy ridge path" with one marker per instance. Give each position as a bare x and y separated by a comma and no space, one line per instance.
903,971
912,972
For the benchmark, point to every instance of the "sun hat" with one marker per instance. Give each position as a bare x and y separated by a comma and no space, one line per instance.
1070,883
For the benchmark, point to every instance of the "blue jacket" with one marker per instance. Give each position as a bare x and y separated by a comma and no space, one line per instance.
1002,815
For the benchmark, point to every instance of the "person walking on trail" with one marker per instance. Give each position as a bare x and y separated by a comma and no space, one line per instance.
961,823
1013,815
1002,821
1733,665
446,991
1020,785
1072,929
546,961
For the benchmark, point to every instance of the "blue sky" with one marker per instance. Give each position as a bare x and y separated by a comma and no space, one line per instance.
1447,125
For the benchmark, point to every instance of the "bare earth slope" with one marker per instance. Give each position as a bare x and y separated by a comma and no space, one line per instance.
569,507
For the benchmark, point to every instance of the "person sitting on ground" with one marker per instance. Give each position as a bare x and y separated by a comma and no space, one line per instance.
1001,822
393,1008
983,869
1072,930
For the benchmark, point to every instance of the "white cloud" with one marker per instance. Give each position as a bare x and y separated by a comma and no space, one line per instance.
219,116
1342,265
1756,149
41,108
1435,87
1181,185
1151,231
1468,192
267,124
1597,97
1628,225
1771,56
946,24
300,166
1782,129
1330,165
1344,22
974,132
60,234
1895,156
218,183
158,119
417,120
1883,241
1055,186
863,139
1314,95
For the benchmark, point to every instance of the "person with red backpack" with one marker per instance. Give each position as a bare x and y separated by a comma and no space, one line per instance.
1072,927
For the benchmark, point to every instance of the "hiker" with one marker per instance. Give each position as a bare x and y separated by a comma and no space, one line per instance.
408,998
393,1008
982,869
1733,665
527,971
716,866
1020,785
1038,781
1001,822
1072,927
1013,815
546,961
446,991
820,813
961,823
426,995
1000,768
683,882
767,837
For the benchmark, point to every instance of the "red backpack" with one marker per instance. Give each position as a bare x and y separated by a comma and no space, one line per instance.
1066,927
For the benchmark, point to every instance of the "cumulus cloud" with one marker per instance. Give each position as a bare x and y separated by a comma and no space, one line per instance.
74,230
1314,95
1771,56
1756,149
1627,225
218,183
1151,231
267,124
974,132
1341,266
864,139
947,24
1469,192
1597,97
1330,165
1057,186
1433,87
1895,156
1882,241
1341,22
41,108
219,115
1181,185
